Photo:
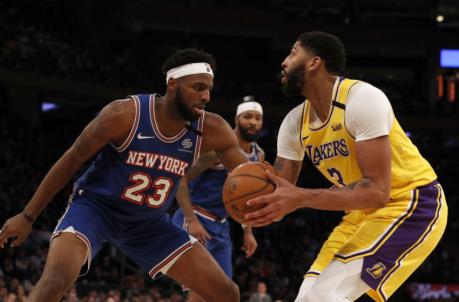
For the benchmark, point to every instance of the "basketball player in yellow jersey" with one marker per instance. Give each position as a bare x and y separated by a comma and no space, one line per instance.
395,210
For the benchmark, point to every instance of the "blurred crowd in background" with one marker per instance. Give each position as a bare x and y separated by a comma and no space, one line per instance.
110,50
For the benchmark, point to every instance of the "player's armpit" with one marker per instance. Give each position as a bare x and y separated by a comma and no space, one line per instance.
204,162
288,169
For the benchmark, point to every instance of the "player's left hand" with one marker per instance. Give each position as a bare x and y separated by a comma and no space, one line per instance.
279,203
250,244
195,229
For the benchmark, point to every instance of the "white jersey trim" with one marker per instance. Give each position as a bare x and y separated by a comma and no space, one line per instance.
197,150
134,127
156,128
164,265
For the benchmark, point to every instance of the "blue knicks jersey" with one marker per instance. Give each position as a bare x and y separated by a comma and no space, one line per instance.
206,189
139,179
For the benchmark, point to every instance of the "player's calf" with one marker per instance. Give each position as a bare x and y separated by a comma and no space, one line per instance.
49,289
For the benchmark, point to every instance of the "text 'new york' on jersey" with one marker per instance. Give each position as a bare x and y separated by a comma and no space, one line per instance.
139,178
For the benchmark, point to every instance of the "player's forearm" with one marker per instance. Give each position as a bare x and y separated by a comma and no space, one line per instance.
184,200
362,194
56,178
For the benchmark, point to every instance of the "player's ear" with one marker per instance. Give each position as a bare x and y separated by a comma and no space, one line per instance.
172,84
314,63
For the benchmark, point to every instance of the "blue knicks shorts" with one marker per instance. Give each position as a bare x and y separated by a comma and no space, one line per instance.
153,244
220,246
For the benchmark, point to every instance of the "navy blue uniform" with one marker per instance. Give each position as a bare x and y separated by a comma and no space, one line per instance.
122,198
206,196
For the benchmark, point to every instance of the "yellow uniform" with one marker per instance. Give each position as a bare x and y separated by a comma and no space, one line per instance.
393,241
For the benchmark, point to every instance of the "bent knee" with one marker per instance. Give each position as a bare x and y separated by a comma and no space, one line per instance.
56,278
231,291
52,284
318,294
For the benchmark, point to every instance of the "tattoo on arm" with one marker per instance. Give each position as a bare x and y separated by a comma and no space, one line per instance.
204,162
90,140
295,171
278,164
83,148
289,169
361,183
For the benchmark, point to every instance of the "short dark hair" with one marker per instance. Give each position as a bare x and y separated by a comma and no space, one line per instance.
188,56
328,47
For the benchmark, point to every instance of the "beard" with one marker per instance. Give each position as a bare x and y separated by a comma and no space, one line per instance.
247,136
294,82
184,111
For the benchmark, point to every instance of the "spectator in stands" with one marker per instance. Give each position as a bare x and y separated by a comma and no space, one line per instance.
261,295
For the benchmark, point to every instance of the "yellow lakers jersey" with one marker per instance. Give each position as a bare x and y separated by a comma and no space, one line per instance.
331,148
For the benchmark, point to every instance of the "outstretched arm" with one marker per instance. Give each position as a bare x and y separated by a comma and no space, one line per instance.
111,125
192,224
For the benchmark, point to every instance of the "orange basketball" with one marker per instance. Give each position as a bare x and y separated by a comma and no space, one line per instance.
245,182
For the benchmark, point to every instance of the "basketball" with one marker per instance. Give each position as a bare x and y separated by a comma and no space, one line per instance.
245,182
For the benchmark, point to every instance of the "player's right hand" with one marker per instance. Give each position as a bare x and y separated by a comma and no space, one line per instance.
17,226
196,230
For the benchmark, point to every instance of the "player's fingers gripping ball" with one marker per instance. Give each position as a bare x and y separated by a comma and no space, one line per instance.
245,182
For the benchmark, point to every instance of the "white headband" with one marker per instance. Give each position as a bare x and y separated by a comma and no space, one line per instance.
246,106
187,69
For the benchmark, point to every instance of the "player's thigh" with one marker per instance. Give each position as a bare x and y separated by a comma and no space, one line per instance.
393,241
154,244
179,219
84,223
340,235
67,254
198,262
220,247
160,247
194,297
223,258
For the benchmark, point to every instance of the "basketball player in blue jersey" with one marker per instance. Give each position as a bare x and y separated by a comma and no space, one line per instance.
395,209
202,212
142,146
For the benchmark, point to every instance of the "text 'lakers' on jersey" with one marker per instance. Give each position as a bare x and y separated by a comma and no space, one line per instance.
139,179
331,148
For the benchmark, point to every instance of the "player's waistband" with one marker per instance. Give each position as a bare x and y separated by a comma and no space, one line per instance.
208,215
433,183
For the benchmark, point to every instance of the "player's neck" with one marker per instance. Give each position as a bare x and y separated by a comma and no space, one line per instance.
246,146
168,119
319,92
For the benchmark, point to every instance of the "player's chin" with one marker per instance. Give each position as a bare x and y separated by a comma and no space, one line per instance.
192,115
